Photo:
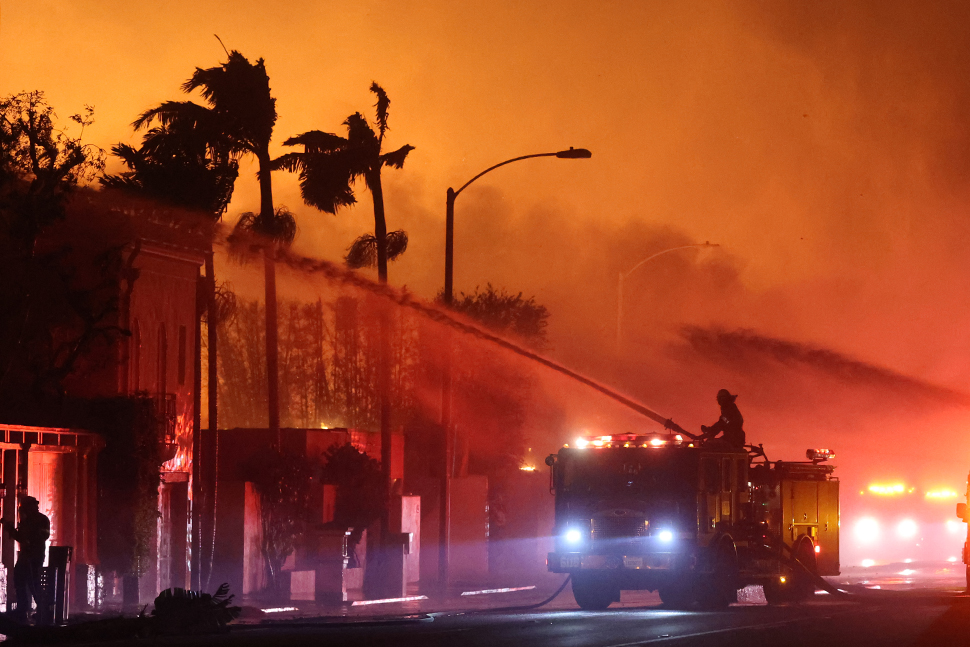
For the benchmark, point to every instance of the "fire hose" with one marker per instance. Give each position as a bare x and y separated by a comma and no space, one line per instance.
790,560
819,581
528,607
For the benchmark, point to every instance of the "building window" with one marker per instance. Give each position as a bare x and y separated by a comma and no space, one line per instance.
135,356
162,360
182,342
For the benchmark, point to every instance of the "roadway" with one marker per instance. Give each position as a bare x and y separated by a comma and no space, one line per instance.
899,606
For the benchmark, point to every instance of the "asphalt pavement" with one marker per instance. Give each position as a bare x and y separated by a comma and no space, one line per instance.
897,605
921,617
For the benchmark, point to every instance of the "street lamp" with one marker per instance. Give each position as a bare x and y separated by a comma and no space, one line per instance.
624,275
570,153
444,536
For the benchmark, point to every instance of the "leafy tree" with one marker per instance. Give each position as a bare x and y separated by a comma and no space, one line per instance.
506,313
179,169
329,357
238,120
129,472
40,167
56,306
281,478
358,480
488,393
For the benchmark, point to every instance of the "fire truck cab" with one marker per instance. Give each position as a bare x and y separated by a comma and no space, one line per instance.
694,521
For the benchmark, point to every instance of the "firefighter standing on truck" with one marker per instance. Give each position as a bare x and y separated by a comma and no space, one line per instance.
729,424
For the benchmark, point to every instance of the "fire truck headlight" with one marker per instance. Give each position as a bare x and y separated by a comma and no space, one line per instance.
665,536
867,530
573,536
907,529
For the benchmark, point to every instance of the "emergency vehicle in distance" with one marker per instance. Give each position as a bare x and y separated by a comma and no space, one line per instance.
694,521
892,521
963,516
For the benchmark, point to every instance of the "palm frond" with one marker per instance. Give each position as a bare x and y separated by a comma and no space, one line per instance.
362,252
124,181
239,92
360,135
383,102
326,181
396,158
128,154
182,113
279,228
243,244
397,244
292,162
317,141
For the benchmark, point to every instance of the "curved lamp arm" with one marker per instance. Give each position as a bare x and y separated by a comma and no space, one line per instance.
672,249
571,153
623,275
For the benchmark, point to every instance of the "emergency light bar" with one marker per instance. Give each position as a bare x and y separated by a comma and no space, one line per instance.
628,440
819,455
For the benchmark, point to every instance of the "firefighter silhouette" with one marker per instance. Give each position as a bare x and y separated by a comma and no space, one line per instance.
32,534
729,425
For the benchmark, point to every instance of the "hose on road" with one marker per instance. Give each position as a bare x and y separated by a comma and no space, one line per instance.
820,582
528,607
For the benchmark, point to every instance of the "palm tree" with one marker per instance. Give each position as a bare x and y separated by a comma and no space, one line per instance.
330,165
177,168
237,121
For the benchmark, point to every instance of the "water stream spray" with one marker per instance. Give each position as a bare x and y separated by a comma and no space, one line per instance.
338,274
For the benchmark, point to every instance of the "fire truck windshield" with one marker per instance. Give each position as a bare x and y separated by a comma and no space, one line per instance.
638,472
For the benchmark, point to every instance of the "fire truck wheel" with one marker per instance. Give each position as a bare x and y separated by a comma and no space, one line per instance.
776,592
720,589
676,595
593,593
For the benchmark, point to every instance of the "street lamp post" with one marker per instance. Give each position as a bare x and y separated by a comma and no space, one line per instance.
624,275
571,153
444,536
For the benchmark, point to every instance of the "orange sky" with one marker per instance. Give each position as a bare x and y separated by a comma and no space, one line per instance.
824,148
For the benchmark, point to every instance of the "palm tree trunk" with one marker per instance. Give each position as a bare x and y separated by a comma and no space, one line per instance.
197,488
272,349
207,445
384,378
380,226
212,341
272,319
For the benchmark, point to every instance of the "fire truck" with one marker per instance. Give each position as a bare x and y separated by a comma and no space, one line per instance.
695,521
